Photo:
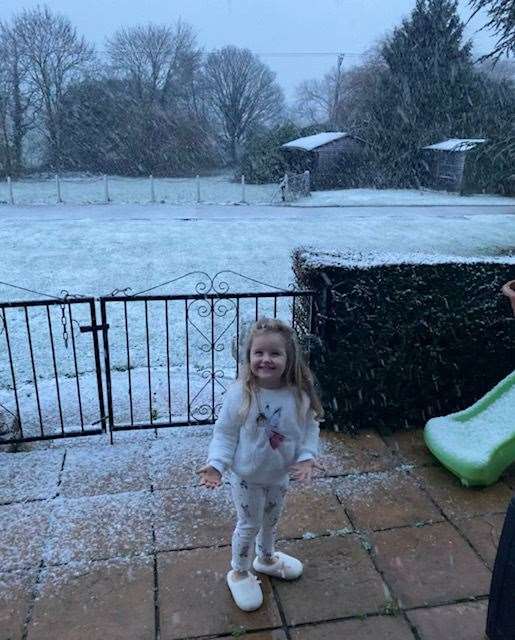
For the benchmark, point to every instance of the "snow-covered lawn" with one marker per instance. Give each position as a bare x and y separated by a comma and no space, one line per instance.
398,197
95,249
219,189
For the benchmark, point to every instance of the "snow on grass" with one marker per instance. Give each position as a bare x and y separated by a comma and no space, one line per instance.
397,197
220,189
96,249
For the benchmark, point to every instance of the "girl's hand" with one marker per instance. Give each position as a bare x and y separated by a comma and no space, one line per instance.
303,471
209,476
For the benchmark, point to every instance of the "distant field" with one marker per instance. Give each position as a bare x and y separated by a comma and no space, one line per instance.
221,189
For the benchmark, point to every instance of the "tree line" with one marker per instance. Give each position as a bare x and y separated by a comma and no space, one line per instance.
155,102
421,85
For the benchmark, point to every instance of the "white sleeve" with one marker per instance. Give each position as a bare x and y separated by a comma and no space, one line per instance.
309,444
226,432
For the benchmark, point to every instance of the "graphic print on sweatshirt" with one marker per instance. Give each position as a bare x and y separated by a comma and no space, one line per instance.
271,424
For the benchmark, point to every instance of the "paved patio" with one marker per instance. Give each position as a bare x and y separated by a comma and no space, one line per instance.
105,542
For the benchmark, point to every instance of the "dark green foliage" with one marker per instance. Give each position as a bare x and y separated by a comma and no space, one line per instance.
402,343
107,131
491,167
429,72
501,20
423,88
264,162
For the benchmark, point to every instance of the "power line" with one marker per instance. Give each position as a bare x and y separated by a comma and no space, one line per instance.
309,53
286,54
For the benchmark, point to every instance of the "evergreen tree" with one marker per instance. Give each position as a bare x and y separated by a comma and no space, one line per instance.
264,162
429,73
501,20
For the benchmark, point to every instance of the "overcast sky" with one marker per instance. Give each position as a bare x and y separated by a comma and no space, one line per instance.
264,26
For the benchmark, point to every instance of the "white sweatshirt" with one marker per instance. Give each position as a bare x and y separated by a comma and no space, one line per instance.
262,450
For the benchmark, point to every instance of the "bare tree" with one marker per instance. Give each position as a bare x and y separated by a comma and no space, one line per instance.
501,20
243,94
15,102
313,99
55,57
158,61
320,101
161,68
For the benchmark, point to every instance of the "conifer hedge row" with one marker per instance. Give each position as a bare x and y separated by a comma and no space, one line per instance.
399,341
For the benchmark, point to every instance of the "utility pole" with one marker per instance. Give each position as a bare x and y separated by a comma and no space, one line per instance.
337,89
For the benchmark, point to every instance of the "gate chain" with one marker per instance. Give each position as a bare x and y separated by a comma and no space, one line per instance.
63,322
64,296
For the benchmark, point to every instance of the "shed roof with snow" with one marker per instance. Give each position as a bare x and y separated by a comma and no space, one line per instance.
310,143
456,144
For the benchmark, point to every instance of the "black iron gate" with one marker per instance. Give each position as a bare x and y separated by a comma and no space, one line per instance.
167,358
50,373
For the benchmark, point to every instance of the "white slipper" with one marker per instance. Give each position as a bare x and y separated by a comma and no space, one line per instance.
285,567
246,592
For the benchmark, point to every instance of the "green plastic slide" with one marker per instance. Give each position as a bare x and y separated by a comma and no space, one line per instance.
478,443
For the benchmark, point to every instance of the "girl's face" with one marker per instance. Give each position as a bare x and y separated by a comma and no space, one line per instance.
268,359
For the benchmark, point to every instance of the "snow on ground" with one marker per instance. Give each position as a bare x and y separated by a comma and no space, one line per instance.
219,189
397,197
96,249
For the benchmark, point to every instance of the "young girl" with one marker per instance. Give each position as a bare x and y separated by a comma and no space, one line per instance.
267,428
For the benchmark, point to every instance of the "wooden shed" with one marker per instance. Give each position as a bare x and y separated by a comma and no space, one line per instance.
330,157
444,162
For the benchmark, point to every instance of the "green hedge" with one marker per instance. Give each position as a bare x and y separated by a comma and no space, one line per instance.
405,339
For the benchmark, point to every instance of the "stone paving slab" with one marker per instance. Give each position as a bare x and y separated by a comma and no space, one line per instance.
483,533
458,501
100,527
380,486
194,599
195,517
339,580
466,621
97,470
15,597
29,476
342,454
173,461
385,499
375,628
410,447
98,601
429,565
324,515
23,531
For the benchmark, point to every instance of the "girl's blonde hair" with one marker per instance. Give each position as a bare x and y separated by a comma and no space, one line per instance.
297,374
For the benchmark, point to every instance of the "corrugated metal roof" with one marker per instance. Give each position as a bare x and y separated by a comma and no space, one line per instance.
308,143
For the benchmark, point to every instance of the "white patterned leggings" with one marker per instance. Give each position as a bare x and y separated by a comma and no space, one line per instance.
258,507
